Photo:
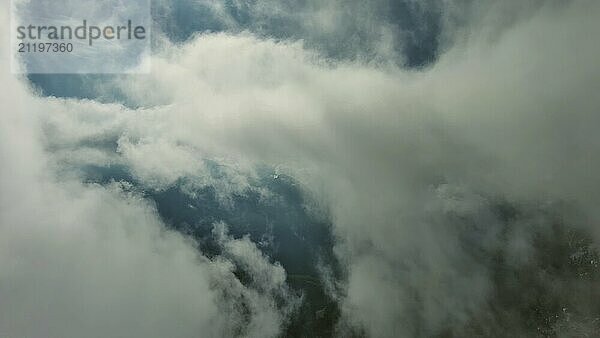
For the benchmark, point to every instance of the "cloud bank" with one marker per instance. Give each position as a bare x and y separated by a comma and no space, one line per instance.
441,185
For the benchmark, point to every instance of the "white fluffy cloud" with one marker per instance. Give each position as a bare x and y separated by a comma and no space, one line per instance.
391,154
83,260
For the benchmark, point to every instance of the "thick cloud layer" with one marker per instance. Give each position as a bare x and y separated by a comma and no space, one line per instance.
437,183
84,260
